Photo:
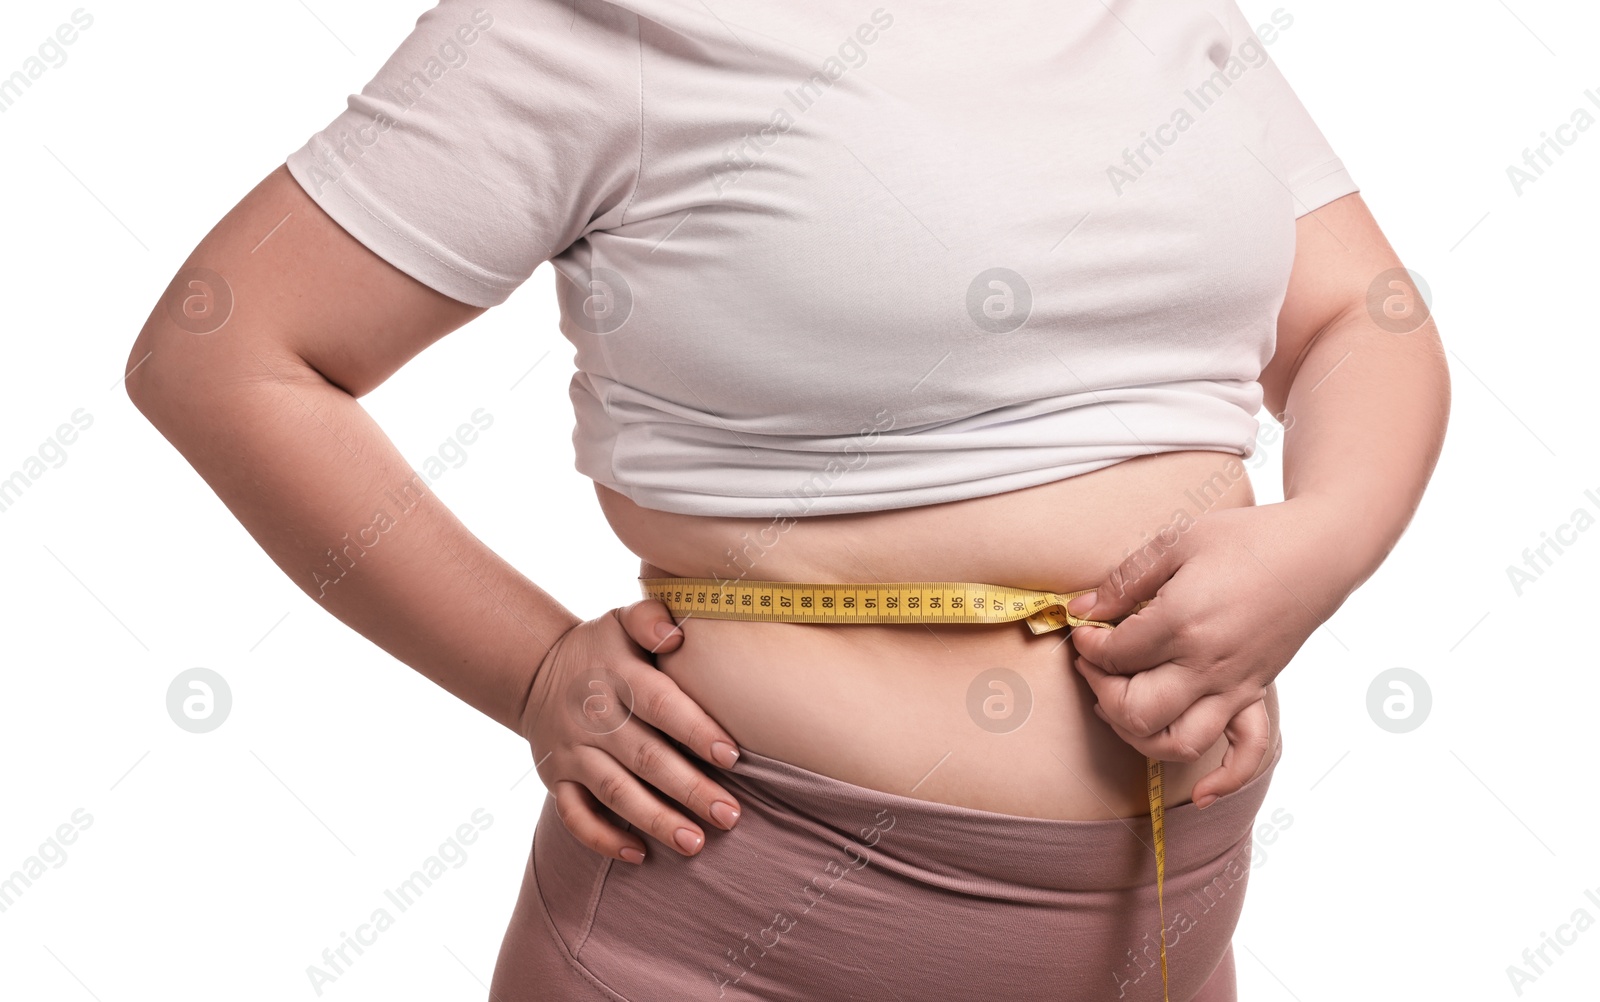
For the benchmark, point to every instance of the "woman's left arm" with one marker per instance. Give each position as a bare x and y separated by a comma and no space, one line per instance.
1360,382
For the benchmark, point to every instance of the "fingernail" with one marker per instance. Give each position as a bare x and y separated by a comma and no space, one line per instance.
724,814
665,630
632,855
689,840
1083,603
724,753
1206,801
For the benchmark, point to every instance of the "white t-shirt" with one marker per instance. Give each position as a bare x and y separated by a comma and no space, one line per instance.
819,258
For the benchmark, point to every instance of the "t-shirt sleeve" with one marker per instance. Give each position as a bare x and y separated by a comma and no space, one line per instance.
1297,152
487,143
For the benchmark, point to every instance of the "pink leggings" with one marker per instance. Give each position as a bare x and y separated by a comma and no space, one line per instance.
830,891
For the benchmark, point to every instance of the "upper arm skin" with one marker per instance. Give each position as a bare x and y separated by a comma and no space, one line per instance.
307,295
1339,251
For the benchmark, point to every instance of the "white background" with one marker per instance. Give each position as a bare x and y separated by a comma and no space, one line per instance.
1417,865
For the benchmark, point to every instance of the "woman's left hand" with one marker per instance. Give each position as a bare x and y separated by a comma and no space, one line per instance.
1233,595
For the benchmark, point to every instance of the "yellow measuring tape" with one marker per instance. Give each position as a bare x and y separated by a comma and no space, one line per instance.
933,602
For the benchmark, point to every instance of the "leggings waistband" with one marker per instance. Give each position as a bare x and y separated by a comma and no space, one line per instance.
1005,856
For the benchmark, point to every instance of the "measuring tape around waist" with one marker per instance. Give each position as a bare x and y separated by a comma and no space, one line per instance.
933,602
930,602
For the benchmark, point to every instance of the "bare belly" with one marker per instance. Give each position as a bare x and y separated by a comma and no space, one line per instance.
936,713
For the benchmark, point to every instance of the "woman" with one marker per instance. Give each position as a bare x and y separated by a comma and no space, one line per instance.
858,296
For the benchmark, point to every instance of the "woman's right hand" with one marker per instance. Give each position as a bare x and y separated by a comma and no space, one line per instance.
595,719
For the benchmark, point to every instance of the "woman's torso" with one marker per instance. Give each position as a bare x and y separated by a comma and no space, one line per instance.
919,710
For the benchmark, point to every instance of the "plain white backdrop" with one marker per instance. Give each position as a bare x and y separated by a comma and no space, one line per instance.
1416,865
